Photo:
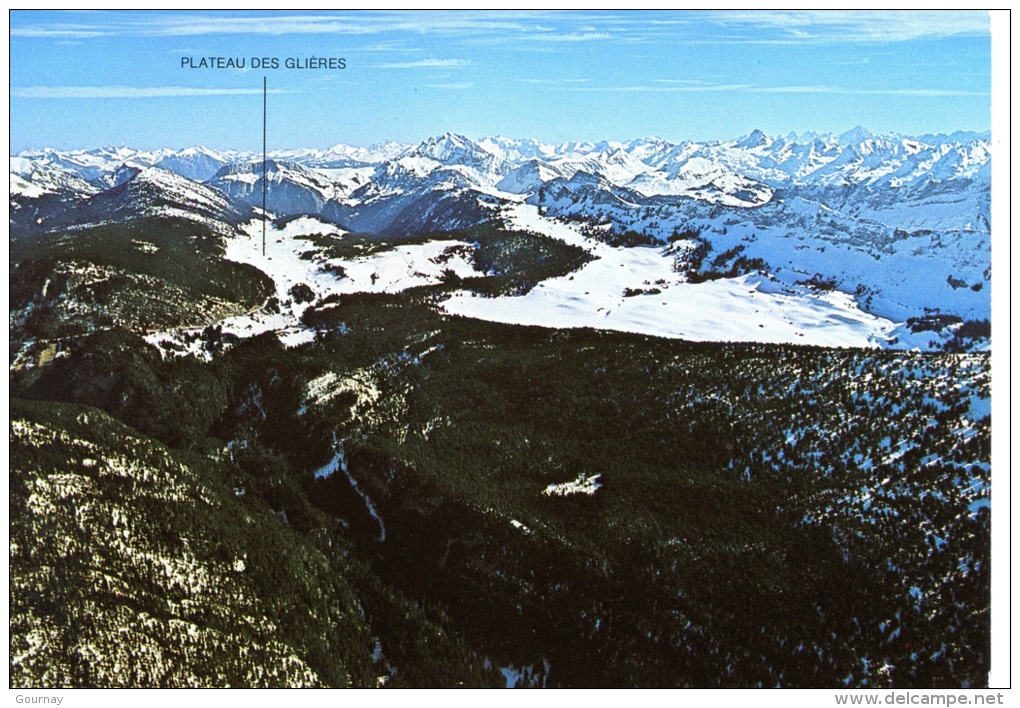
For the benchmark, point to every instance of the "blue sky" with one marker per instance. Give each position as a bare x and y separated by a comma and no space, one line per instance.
84,79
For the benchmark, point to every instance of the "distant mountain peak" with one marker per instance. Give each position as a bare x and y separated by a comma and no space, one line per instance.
857,135
454,149
125,173
451,139
756,138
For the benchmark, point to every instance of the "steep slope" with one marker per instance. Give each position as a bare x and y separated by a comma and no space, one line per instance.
701,179
133,564
197,163
453,149
530,176
290,187
92,164
922,182
377,471
141,274
40,190
612,509
137,192
576,508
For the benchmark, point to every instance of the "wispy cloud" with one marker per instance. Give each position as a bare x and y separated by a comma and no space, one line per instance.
431,22
664,88
110,24
463,86
392,46
683,82
553,82
695,86
129,91
812,26
61,32
728,26
866,92
183,23
425,64
567,37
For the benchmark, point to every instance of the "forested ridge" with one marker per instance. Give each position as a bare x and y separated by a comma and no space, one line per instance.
421,499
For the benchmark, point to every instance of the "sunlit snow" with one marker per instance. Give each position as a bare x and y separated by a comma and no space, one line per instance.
733,309
390,271
584,484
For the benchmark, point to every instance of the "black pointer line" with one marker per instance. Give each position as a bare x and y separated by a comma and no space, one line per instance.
263,164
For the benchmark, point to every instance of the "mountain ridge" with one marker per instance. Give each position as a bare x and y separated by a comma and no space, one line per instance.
897,225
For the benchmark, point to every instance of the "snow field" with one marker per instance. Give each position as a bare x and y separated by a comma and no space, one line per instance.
390,271
732,309
623,289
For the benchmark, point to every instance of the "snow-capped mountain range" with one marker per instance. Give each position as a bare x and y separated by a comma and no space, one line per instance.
883,228
711,171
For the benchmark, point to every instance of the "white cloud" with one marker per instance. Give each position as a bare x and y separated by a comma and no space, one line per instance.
453,86
425,64
737,26
805,26
182,24
668,86
866,92
553,82
60,32
664,88
568,37
129,91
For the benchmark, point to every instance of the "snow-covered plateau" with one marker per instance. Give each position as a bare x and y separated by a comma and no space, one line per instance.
745,308
834,240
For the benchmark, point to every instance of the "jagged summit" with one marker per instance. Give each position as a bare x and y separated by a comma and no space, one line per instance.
291,188
391,185
857,135
452,148
755,139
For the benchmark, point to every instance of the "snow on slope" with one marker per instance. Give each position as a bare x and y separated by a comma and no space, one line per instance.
389,271
175,188
624,289
21,187
855,210
734,309
403,267
32,179
748,308
283,264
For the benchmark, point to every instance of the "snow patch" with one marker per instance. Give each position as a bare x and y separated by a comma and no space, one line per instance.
519,526
582,485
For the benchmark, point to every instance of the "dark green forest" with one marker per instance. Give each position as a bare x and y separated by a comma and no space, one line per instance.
766,515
